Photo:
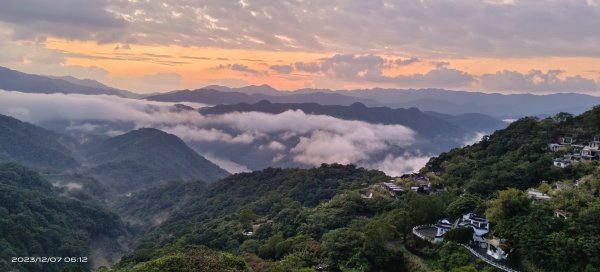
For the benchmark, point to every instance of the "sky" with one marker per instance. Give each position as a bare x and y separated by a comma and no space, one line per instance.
145,46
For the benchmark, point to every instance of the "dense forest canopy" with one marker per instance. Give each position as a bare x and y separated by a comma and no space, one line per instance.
36,221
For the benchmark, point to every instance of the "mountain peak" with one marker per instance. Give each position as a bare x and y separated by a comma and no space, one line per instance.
358,105
156,155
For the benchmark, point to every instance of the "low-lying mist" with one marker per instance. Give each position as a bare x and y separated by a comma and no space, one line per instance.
236,141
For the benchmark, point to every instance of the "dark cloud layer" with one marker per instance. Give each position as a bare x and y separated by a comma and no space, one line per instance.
71,19
537,81
420,27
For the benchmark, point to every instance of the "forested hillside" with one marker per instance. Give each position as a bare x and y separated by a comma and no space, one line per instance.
331,218
517,156
321,219
36,221
140,158
284,220
559,233
34,146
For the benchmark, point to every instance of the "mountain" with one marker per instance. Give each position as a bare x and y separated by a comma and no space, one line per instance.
223,95
251,89
425,123
503,106
517,156
38,221
494,104
143,157
97,85
33,146
514,164
287,209
12,80
471,121
207,96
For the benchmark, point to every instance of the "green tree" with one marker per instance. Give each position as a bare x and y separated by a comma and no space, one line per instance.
507,204
459,235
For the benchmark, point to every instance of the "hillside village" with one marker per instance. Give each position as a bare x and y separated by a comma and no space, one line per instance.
493,250
573,152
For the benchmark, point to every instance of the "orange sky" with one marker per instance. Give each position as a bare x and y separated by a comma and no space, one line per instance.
148,46
140,60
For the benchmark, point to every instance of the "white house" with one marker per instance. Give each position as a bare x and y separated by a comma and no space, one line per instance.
480,225
537,195
562,163
561,214
555,147
393,188
442,227
497,249
566,140
367,195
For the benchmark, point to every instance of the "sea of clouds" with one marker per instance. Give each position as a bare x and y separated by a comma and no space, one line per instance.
322,139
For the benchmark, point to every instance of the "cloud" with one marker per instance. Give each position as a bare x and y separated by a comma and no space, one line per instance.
370,68
284,69
188,133
439,77
349,66
71,19
240,68
122,47
537,81
273,145
423,28
440,64
311,139
228,165
396,166
409,61
309,67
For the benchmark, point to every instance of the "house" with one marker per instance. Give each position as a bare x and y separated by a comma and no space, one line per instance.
576,149
560,185
415,177
367,195
556,147
561,214
480,225
442,227
322,267
594,145
393,188
497,249
537,195
562,163
566,140
588,153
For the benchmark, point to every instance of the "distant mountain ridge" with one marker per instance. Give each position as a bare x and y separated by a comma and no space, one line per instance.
143,157
426,123
12,80
97,85
222,95
437,100
495,104
504,106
